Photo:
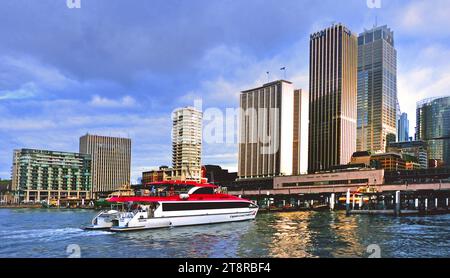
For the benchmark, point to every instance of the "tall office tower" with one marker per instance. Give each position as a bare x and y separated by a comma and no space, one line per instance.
433,126
333,91
111,162
187,144
39,175
377,89
403,128
266,136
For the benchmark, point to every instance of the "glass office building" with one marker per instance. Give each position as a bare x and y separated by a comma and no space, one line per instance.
403,128
377,89
433,126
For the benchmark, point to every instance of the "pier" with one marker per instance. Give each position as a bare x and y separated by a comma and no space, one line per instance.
386,199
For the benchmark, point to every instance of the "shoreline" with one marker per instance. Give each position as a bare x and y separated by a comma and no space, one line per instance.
267,211
40,207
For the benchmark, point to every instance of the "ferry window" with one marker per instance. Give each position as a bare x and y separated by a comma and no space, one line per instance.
204,190
203,205
164,190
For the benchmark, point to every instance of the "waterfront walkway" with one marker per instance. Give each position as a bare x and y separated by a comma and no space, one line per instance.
343,189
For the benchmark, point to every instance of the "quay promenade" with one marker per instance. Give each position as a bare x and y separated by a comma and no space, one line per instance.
421,198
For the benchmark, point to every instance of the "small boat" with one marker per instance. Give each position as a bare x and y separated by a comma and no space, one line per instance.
104,219
176,203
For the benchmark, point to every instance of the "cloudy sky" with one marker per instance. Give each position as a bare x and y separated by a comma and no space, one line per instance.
117,67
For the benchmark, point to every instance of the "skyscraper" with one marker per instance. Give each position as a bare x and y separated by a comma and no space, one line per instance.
433,126
377,89
273,127
403,128
111,162
187,144
333,91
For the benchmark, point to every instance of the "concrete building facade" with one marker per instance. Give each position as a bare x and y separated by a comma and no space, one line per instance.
366,177
187,144
111,162
273,131
164,173
301,130
412,152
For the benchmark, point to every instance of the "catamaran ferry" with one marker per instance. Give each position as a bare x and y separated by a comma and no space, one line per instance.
172,204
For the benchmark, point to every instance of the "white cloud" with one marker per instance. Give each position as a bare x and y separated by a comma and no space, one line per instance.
27,90
427,75
221,156
423,18
25,124
126,101
32,70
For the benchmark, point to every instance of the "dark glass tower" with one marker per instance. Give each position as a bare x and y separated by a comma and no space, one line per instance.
377,89
433,126
403,128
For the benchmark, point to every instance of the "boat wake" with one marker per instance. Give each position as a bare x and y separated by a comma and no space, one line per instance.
49,234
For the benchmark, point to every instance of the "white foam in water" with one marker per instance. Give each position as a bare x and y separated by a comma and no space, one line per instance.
51,234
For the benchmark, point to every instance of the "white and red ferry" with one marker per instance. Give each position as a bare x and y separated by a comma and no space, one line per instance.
172,204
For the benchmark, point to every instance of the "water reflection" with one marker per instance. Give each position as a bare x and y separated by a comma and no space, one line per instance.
46,233
292,237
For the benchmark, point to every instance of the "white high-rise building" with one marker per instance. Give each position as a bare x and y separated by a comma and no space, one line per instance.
187,144
301,131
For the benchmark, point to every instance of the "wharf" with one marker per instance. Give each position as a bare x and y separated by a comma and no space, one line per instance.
385,212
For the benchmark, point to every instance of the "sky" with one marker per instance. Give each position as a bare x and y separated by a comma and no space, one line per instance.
119,68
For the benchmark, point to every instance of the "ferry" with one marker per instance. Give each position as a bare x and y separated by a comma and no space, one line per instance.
173,204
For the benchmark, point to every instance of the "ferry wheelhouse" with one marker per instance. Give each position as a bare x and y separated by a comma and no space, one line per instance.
172,204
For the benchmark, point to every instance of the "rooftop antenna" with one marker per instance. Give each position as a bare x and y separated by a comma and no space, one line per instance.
376,21
268,76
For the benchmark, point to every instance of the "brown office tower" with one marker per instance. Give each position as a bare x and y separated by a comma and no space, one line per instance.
333,92
273,131
111,162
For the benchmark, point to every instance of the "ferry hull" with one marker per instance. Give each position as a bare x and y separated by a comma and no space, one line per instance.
178,221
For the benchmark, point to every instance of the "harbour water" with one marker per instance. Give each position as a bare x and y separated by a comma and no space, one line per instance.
30,233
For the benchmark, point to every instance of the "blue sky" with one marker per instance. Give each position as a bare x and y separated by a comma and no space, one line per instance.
119,67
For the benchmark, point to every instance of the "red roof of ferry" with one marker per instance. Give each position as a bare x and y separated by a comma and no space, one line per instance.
193,197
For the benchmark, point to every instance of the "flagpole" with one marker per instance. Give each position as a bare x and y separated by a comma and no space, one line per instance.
284,70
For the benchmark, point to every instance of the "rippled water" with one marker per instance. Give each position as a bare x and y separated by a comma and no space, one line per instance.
48,233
